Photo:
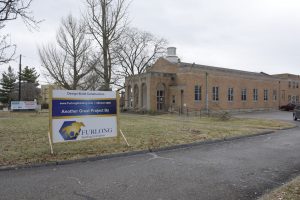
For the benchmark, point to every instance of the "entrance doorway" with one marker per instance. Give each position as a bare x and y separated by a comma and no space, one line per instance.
144,96
160,97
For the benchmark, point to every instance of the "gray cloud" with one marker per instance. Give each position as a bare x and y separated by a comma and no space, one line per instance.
256,35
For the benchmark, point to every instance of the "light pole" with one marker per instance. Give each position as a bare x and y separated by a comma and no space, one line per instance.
20,69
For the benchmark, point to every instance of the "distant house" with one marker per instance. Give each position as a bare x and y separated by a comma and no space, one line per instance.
171,85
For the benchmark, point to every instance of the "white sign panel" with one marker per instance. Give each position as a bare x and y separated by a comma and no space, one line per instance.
23,105
82,115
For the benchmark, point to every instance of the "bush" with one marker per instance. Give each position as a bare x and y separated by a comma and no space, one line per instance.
224,116
45,106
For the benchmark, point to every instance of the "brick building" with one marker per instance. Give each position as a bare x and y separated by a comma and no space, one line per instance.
171,85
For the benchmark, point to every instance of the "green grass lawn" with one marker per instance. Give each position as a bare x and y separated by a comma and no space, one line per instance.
290,191
24,140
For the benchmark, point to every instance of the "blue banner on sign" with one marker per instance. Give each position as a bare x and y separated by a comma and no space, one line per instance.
65,108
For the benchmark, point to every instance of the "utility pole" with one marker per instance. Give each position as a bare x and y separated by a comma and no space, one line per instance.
20,69
279,95
206,93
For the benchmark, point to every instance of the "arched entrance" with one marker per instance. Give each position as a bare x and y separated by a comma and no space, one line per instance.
136,96
144,96
160,97
129,95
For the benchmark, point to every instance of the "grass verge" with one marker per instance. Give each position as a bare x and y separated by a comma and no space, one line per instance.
289,191
23,136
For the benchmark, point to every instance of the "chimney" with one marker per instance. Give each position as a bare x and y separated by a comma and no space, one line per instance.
171,55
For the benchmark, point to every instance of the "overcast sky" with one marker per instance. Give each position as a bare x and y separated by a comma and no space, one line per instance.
252,35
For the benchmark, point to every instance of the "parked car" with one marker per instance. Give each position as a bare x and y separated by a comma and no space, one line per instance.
296,113
288,107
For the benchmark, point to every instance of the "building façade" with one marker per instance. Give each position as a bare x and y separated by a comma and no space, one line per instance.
171,85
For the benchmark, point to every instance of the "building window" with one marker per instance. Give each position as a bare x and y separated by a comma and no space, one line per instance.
290,84
297,85
230,94
297,99
294,84
275,95
197,93
215,94
255,94
266,95
244,95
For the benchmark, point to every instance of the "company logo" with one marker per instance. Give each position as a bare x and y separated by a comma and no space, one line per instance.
70,130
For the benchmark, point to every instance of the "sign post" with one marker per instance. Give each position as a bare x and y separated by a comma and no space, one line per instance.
120,133
118,123
50,121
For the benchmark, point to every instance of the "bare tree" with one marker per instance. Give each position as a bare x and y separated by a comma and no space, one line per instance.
7,49
69,61
137,50
11,10
92,81
106,20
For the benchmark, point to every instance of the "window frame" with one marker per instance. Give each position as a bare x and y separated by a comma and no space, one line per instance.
230,94
215,93
244,94
255,94
197,93
266,95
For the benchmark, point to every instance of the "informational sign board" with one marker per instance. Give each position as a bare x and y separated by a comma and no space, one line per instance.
82,115
23,105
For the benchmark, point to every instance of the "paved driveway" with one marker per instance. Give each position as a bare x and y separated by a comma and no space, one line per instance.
240,169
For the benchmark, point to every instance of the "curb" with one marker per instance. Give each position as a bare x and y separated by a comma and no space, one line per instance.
133,153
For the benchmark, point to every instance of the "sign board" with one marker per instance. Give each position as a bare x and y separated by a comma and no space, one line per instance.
82,115
23,105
